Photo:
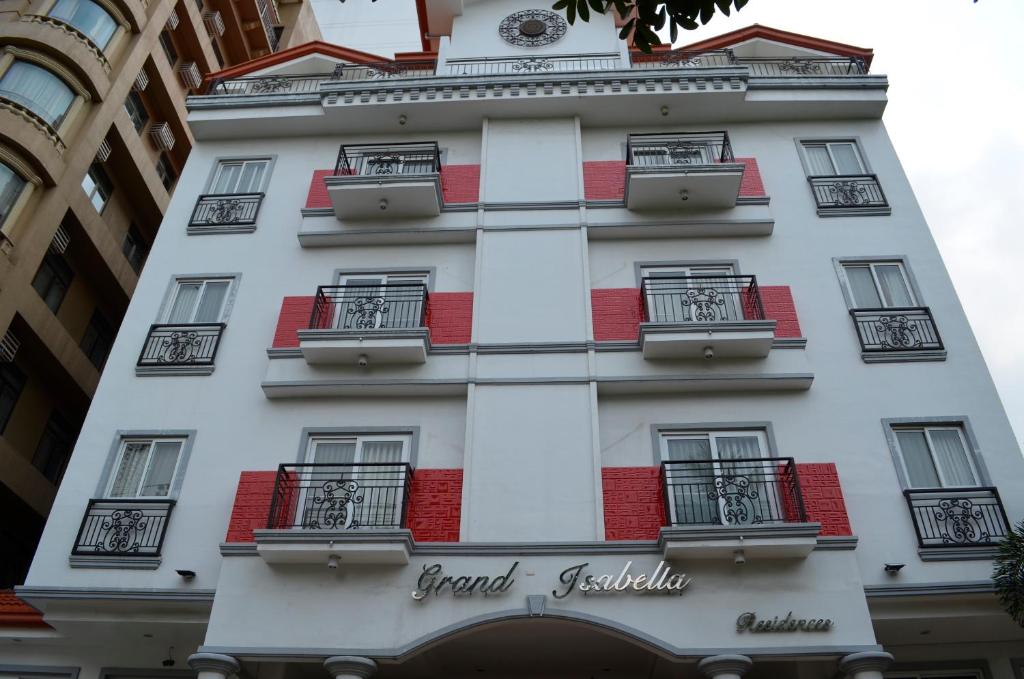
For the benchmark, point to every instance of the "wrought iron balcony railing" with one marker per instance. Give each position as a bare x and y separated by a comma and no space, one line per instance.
732,492
527,64
896,329
957,517
226,209
186,344
385,70
389,160
269,84
760,67
845,192
681,148
701,299
369,307
340,496
123,527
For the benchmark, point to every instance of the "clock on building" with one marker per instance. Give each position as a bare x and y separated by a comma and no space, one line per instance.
532,28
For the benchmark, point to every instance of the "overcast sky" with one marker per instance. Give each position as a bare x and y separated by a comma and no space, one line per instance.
956,117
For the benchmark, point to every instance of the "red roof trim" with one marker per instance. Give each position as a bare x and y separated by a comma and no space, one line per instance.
16,613
421,16
314,47
786,37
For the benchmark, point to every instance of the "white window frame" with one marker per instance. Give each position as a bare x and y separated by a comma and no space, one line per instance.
828,144
359,440
927,429
871,266
221,163
151,442
176,283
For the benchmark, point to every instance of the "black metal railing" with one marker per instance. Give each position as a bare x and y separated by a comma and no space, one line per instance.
126,527
957,517
340,496
388,160
680,148
528,64
843,192
369,307
732,492
761,67
269,84
184,344
701,299
385,70
896,329
226,209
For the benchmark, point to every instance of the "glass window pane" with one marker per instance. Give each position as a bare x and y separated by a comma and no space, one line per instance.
382,451
184,302
227,178
38,90
161,469
894,286
738,447
917,460
819,163
252,177
952,458
10,188
862,286
334,452
212,301
129,472
88,17
688,450
847,160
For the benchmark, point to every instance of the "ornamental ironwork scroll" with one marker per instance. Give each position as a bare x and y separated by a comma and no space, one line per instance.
532,28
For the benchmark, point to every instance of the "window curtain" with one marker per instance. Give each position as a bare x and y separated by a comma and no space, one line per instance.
361,304
88,17
161,469
748,491
952,458
227,178
184,303
894,287
212,301
818,161
38,90
10,188
129,472
846,159
692,486
862,285
384,487
917,460
252,177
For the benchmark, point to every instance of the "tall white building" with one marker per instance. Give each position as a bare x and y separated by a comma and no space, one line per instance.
529,355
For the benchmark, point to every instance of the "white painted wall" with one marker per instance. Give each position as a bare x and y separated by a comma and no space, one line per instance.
382,28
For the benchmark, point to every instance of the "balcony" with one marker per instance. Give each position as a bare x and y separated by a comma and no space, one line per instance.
708,317
528,64
845,195
758,67
897,333
184,349
716,508
367,325
686,170
957,518
225,212
355,513
123,528
386,180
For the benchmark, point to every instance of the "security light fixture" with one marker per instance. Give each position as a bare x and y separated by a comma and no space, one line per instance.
664,110
403,119
739,558
332,561
894,568
186,575
169,660
684,194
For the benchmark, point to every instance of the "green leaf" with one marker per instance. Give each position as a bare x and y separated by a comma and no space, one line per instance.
584,10
597,6
570,12
561,4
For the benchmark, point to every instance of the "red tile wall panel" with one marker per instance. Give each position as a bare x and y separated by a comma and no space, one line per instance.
823,498
460,183
252,505
617,313
450,317
435,505
751,185
634,506
295,314
604,179
779,306
317,196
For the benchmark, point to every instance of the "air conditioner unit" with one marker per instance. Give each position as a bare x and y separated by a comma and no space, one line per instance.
61,241
9,345
162,136
141,81
103,152
172,20
214,22
190,76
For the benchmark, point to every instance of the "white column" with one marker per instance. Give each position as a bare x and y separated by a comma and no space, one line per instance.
350,667
213,665
725,666
866,665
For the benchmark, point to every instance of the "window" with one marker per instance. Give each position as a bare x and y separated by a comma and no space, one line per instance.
136,109
11,186
216,50
239,176
88,17
145,467
97,340
198,301
936,457
165,171
12,381
97,186
878,285
54,449
53,280
38,90
135,248
831,158
167,43
372,301
706,293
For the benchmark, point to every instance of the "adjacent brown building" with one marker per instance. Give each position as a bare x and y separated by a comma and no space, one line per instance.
93,135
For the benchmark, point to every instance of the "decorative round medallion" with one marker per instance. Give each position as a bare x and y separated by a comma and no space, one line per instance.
532,28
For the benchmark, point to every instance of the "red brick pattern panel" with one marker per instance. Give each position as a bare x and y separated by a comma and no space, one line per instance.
823,498
294,316
16,613
450,317
604,179
435,505
252,505
633,503
779,306
317,196
460,183
751,185
617,313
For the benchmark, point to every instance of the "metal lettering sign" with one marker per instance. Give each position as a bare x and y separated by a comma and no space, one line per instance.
749,622
432,581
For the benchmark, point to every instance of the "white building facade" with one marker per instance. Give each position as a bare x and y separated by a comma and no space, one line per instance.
527,354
